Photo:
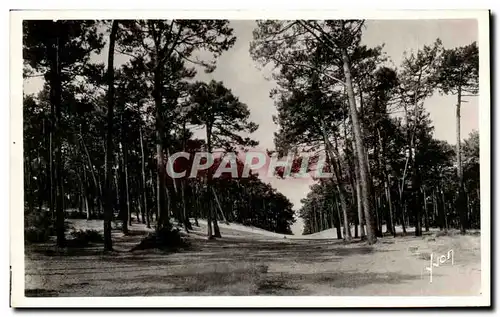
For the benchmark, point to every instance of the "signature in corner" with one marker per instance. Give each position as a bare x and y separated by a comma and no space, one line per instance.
439,260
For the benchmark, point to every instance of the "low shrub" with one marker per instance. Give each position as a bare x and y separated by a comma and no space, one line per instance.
36,235
90,236
83,238
164,239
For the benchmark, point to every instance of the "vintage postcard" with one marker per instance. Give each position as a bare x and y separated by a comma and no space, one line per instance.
250,159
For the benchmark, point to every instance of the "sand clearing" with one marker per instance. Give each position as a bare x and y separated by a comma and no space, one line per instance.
252,261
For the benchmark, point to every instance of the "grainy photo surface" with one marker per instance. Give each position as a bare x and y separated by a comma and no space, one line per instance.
248,157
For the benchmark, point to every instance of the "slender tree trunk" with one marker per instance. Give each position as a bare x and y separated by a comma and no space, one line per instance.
460,202
314,227
435,214
197,204
83,196
108,201
442,210
63,202
402,215
417,207
123,194
390,224
360,148
156,213
216,224
340,218
210,235
56,96
160,189
52,184
336,223
207,192
145,186
185,216
359,199
97,183
426,212
86,192
127,194
356,234
378,220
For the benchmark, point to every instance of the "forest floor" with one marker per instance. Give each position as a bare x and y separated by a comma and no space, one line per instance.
251,261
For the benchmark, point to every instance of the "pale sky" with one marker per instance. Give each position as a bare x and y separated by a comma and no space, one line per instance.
240,73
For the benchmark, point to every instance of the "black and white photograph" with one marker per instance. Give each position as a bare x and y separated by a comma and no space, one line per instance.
250,160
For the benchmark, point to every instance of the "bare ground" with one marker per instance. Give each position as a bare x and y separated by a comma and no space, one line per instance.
246,262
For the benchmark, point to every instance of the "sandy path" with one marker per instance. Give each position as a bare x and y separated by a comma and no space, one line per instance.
249,263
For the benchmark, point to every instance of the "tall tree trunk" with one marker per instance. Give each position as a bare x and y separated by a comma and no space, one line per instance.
417,206
108,201
402,215
379,213
185,216
336,223
382,144
435,209
211,213
124,198
123,194
360,148
197,203
460,202
52,183
156,213
143,174
164,220
426,214
358,192
210,235
127,194
391,228
86,192
56,96
97,183
339,215
442,210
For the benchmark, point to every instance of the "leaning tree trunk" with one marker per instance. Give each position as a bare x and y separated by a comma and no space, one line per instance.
108,200
362,159
339,184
